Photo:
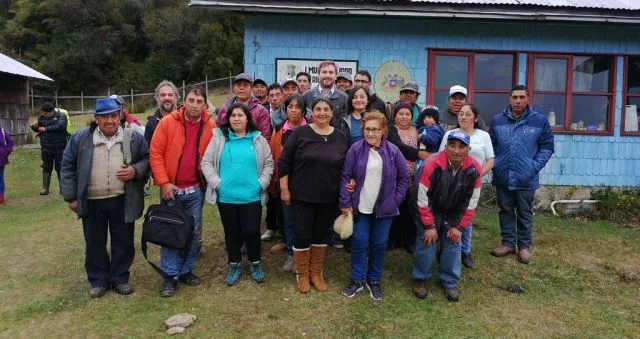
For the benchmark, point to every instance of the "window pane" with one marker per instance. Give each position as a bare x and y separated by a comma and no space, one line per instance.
548,103
451,70
591,74
490,104
550,74
441,100
493,71
589,113
631,117
633,75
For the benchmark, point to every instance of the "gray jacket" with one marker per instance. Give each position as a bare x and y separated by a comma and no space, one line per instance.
338,98
210,165
76,169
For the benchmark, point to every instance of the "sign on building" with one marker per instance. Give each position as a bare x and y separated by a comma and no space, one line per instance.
288,68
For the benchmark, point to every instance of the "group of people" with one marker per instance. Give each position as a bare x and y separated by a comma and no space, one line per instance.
309,155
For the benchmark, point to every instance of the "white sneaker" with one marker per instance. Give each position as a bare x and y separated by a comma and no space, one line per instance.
289,265
268,235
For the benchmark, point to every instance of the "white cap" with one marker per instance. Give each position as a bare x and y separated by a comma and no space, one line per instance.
457,89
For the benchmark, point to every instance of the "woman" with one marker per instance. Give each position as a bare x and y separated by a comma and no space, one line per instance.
381,177
238,166
6,147
293,108
357,104
482,151
311,166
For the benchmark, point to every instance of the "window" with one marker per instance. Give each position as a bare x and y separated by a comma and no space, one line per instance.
575,92
631,106
488,77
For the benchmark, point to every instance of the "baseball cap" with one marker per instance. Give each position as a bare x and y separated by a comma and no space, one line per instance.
259,81
243,77
290,81
119,99
457,89
106,106
461,136
410,86
345,75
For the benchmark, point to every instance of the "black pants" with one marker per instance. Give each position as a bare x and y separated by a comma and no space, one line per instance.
274,219
312,222
402,228
106,216
51,160
241,223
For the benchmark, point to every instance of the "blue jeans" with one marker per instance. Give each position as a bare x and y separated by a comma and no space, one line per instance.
516,217
1,180
465,239
170,259
424,256
289,226
369,239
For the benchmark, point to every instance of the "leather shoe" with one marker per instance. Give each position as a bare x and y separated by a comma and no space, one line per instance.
169,288
524,255
502,251
419,289
123,289
97,292
453,294
189,279
467,260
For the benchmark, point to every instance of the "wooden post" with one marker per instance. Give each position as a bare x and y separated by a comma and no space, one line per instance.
56,97
81,102
132,106
32,105
230,83
206,84
183,88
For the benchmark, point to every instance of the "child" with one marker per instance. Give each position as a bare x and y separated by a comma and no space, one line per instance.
6,147
430,132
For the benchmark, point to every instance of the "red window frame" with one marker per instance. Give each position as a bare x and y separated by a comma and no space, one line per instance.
471,90
569,93
626,95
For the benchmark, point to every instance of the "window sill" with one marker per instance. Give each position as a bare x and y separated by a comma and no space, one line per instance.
579,132
630,134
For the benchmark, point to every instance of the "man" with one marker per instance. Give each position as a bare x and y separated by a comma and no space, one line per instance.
409,93
104,171
363,78
51,127
304,81
276,111
243,95
259,90
167,99
523,143
327,88
289,88
177,147
343,81
457,99
447,197
127,119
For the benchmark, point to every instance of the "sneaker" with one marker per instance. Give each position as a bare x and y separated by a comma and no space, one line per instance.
234,273
337,243
278,248
375,291
352,289
257,273
467,260
268,235
453,294
97,292
289,265
123,289
189,279
169,288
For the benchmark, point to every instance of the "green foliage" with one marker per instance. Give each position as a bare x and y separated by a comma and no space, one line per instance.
620,206
92,45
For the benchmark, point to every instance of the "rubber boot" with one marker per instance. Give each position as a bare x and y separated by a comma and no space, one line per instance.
46,181
301,258
318,252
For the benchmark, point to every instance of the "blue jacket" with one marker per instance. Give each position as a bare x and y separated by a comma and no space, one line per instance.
522,148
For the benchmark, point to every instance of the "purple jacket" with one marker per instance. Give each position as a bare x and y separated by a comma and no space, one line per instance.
259,114
6,146
394,178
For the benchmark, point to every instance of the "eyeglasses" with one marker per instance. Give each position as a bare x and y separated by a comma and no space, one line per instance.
372,130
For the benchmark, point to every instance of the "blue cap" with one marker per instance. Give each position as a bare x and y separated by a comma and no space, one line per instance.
106,106
461,136
243,77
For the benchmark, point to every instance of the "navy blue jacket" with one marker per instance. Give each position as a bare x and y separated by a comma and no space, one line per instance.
54,138
522,148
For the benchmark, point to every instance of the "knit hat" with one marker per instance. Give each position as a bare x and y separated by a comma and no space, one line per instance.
400,105
429,111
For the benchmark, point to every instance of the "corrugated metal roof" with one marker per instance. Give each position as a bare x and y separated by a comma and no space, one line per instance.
602,4
8,65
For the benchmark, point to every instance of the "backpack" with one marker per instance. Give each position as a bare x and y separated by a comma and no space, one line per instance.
66,113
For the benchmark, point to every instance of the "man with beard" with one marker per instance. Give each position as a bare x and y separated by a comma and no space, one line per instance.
167,98
457,99
327,72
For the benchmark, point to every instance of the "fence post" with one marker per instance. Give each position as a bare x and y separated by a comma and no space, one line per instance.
132,105
206,84
230,83
56,97
81,102
32,107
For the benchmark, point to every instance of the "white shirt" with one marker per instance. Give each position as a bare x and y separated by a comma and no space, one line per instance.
372,183
481,148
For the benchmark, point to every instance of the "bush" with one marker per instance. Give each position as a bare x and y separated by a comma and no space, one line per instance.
620,206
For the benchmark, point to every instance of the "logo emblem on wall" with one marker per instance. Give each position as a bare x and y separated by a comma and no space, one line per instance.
391,76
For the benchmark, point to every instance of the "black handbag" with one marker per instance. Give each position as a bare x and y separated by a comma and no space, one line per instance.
167,226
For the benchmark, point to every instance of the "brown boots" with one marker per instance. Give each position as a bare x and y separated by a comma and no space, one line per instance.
309,262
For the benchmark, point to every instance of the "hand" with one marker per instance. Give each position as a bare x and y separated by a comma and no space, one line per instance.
167,191
346,211
454,235
74,206
430,236
41,129
423,155
126,173
285,196
351,186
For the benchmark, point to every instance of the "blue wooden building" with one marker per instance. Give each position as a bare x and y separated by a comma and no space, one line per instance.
580,59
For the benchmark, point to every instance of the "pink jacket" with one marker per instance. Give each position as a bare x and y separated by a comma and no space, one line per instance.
259,114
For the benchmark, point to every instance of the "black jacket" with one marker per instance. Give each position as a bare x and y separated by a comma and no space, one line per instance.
54,138
152,123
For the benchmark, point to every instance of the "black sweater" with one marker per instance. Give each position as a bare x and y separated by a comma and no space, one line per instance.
314,165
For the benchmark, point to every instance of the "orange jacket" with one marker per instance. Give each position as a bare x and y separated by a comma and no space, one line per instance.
167,144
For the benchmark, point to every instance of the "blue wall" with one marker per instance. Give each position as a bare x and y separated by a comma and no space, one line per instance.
579,160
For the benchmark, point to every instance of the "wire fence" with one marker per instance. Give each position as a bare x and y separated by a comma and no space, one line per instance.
135,100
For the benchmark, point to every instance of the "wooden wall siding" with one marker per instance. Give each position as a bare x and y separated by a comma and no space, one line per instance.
14,106
579,160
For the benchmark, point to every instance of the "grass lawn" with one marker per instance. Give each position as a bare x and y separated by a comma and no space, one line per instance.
582,282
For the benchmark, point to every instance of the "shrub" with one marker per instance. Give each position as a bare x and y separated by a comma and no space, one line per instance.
620,206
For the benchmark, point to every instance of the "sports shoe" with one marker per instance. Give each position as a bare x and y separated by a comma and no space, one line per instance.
257,273
453,294
352,289
234,273
375,291
337,243
169,288
97,292
278,248
189,279
289,265
467,260
268,235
